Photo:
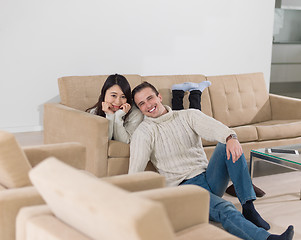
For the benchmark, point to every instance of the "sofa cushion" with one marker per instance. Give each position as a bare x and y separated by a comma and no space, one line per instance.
96,208
14,165
82,92
118,149
164,84
246,133
241,99
278,129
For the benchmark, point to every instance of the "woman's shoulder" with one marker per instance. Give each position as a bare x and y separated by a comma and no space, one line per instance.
136,113
92,111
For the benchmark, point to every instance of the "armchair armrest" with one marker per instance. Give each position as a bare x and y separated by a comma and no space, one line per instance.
65,124
285,107
186,205
73,154
38,222
11,201
138,181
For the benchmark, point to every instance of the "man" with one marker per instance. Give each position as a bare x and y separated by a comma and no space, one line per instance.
172,141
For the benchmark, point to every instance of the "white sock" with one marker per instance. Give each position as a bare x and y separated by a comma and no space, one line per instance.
201,86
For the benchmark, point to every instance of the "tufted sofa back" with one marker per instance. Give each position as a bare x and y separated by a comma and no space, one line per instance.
239,99
234,100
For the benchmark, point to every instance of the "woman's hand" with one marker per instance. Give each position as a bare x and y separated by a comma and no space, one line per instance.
125,107
106,107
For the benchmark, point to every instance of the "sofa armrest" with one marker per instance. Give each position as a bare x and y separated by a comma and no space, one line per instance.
186,205
11,201
284,108
138,181
38,222
73,154
65,124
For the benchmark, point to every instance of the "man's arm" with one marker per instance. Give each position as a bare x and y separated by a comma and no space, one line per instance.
140,149
213,130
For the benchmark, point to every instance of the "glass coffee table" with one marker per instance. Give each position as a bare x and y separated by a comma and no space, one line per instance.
287,156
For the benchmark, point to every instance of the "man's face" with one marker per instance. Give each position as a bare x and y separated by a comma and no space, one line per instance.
149,104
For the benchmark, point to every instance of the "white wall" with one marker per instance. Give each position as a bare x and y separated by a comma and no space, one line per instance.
41,40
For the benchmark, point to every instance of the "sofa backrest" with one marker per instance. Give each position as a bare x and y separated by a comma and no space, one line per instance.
96,208
234,100
82,92
239,99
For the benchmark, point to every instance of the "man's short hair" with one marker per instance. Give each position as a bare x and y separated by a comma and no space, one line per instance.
141,87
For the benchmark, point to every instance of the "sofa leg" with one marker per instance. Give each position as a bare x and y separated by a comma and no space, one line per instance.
231,191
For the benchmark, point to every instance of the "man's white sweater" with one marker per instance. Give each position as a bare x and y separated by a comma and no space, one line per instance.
173,143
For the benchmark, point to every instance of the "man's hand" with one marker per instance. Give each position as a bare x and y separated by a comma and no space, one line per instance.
233,148
125,107
106,107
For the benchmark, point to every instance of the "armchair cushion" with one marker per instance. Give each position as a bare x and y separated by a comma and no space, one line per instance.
97,203
14,165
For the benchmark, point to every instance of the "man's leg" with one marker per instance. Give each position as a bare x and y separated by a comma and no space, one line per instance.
177,99
220,169
224,212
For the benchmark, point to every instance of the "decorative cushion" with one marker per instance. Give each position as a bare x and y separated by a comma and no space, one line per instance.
14,165
96,208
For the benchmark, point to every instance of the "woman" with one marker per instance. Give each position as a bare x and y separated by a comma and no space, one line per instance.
115,104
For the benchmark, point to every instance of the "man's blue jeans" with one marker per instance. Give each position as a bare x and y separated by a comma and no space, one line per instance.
215,179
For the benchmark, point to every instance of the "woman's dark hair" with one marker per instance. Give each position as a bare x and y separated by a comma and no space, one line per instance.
112,80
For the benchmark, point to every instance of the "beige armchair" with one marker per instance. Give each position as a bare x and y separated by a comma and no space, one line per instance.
16,189
82,207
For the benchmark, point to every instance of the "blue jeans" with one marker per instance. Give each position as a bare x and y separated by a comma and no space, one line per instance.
215,179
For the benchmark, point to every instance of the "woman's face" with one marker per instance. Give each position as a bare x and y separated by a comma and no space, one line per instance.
115,97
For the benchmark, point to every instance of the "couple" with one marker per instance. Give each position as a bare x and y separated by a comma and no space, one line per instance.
171,140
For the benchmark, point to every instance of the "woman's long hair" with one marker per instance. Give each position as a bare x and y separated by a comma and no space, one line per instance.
112,80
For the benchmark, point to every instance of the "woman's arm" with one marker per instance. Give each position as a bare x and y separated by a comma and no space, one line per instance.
123,130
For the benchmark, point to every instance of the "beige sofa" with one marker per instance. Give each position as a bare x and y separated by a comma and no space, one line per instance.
81,207
241,101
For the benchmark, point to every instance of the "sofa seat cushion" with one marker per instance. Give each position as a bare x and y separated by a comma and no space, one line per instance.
204,231
118,149
247,133
278,129
14,165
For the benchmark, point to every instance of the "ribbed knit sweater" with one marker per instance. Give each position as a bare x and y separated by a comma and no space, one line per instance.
173,143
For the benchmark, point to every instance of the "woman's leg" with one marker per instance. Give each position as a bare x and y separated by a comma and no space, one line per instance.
195,99
177,99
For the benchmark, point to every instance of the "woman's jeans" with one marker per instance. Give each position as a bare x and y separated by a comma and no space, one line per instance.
215,179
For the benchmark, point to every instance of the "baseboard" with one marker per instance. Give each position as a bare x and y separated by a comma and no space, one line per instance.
23,129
